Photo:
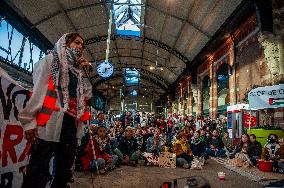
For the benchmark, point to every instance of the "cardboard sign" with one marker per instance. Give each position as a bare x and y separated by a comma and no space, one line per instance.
167,160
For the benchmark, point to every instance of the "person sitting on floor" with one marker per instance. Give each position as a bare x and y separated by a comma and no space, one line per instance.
274,152
197,146
183,151
281,160
228,143
81,148
139,138
204,137
216,145
154,146
257,149
127,150
156,142
112,137
186,131
146,134
241,156
98,152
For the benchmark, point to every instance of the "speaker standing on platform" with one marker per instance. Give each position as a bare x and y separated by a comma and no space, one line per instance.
53,117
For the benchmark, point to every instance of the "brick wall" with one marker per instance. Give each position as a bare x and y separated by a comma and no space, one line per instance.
251,67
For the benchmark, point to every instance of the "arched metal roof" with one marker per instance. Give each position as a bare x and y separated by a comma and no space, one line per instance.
173,31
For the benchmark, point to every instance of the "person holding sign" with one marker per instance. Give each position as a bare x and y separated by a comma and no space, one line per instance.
55,112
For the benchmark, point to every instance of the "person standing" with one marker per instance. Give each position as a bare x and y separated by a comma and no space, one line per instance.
53,117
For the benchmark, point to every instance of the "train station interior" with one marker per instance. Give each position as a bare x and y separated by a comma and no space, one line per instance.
163,70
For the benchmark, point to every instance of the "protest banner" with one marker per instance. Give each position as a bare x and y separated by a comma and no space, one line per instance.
14,149
267,97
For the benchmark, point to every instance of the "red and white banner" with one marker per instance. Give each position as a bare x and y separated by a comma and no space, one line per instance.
14,148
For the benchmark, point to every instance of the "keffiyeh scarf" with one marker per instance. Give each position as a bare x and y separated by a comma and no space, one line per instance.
64,60
101,142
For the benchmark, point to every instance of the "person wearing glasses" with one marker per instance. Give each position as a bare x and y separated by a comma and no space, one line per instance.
55,112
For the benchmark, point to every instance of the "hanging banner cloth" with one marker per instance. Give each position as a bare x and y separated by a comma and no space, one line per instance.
14,148
267,97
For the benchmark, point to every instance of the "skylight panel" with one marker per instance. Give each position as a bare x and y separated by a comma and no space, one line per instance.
127,17
131,77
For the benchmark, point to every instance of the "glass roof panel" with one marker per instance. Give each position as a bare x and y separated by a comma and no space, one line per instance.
127,16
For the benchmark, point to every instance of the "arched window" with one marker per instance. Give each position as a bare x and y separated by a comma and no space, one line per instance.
205,95
16,48
223,93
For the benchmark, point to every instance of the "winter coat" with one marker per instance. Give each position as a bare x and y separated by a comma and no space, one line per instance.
257,149
197,146
216,142
270,154
180,147
128,147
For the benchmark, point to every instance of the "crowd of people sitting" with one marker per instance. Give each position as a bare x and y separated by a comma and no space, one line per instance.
110,142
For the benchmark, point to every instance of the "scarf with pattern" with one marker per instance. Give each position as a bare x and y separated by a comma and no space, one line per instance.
101,142
64,60
156,139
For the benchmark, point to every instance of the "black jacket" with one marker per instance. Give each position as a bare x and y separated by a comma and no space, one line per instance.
128,147
217,143
257,149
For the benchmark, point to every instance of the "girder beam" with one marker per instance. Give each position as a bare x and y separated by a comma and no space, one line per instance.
143,40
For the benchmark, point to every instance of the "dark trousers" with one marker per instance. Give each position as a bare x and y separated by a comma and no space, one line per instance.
198,149
37,174
186,157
